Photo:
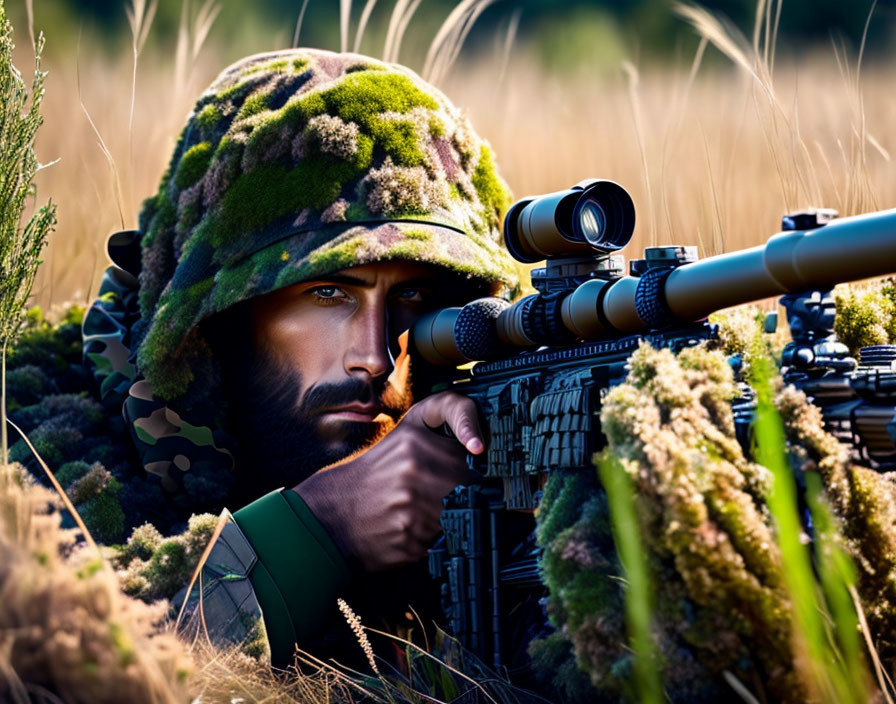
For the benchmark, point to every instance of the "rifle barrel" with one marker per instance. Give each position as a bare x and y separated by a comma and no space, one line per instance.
844,250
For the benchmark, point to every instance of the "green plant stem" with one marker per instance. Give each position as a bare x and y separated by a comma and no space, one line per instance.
627,536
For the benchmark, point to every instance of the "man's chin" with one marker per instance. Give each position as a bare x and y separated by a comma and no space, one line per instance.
344,436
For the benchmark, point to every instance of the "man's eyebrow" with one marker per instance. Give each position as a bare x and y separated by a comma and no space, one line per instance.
357,281
342,279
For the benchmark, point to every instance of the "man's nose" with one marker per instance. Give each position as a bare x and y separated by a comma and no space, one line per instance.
368,349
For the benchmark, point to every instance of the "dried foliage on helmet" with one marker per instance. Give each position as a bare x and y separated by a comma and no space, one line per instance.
298,163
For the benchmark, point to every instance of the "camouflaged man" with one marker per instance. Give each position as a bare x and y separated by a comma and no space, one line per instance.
251,333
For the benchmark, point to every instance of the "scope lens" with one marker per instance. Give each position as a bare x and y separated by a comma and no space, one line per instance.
593,222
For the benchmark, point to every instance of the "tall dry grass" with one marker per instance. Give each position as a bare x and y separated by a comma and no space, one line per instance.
712,154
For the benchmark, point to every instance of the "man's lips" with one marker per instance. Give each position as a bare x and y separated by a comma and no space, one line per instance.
358,412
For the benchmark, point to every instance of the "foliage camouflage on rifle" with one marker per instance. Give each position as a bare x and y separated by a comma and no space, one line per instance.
866,314
709,536
865,503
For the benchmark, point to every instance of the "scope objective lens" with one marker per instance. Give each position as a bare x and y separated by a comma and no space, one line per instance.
592,222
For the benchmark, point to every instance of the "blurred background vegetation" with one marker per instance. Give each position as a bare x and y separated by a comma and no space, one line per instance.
717,123
565,36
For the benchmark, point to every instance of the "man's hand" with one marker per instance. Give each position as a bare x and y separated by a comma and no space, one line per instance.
382,507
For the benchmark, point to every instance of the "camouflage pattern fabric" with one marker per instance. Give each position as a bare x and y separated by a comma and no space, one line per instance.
192,461
107,330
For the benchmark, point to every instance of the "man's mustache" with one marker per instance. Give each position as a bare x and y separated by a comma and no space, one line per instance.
326,396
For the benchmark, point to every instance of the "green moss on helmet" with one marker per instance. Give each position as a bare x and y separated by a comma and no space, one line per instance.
492,191
361,97
399,139
274,66
418,235
209,117
268,193
335,258
254,104
193,165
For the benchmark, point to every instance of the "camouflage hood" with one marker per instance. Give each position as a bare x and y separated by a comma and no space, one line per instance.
296,164
292,165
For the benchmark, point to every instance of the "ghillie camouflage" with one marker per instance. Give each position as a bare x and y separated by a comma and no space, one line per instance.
723,605
292,165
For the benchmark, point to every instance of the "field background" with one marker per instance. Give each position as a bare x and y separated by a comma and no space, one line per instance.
718,119
712,153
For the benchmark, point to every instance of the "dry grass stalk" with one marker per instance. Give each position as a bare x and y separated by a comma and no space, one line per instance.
402,12
140,17
191,36
354,623
402,28
445,46
345,18
362,24
513,26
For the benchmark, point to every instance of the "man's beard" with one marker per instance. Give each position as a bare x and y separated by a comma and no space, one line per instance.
280,441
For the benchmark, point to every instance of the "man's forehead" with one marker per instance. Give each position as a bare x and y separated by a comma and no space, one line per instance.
388,272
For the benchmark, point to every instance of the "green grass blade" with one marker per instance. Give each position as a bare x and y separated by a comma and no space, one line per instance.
627,536
823,667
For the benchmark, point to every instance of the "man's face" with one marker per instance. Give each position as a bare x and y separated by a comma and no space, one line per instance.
330,372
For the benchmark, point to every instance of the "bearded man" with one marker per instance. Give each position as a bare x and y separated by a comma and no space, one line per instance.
253,334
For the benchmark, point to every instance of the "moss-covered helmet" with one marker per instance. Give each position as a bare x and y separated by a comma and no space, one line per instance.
292,165
298,163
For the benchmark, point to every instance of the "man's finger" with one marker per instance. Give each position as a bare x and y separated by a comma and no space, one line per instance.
463,419
461,416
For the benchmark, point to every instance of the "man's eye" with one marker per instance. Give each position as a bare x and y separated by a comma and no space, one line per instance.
327,293
412,295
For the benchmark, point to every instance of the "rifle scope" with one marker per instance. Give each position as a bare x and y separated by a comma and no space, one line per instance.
593,216
793,261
